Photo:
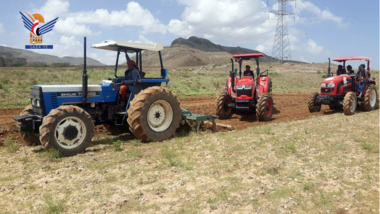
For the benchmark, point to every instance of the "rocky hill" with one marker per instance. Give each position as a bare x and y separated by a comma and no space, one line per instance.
14,56
208,46
196,52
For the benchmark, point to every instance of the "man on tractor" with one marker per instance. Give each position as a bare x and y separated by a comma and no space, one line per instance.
131,75
248,71
349,70
340,70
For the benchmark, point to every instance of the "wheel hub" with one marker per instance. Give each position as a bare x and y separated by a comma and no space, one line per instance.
160,116
70,132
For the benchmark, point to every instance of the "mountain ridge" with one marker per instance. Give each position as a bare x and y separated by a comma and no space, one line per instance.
14,56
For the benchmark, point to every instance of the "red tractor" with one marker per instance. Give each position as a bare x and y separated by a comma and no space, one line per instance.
341,91
245,94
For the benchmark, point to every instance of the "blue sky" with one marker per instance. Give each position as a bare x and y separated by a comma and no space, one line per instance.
322,28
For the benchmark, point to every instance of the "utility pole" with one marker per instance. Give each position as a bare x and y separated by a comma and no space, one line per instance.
281,45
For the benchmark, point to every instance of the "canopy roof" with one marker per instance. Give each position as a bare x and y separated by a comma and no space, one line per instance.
248,56
342,59
131,47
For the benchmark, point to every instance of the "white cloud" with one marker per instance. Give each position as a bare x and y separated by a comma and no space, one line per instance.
318,14
53,8
238,20
133,15
313,48
69,26
77,23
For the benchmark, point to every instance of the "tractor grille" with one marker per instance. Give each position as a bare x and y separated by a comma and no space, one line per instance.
37,100
327,90
247,92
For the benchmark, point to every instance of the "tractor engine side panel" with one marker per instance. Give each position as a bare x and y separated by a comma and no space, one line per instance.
263,85
229,89
72,95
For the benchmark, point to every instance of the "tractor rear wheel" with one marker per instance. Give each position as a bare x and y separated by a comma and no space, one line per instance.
313,106
264,107
350,103
154,114
222,109
30,139
69,129
370,98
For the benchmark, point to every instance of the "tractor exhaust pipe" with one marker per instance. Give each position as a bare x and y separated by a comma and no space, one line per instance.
84,77
232,75
329,70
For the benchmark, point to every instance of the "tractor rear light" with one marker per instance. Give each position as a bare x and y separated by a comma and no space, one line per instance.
264,78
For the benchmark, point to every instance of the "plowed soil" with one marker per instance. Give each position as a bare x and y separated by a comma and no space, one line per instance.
287,107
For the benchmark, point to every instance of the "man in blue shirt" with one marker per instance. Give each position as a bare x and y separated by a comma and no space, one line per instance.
131,76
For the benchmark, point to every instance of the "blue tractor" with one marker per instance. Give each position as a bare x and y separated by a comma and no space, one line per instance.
64,116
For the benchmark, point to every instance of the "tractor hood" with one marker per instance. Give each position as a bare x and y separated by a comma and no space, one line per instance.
336,79
245,81
68,88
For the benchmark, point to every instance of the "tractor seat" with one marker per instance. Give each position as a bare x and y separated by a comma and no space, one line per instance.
142,74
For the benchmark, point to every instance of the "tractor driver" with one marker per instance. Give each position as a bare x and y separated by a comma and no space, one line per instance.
340,70
131,76
248,71
349,70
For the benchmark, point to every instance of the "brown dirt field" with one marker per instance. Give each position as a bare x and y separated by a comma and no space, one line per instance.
287,107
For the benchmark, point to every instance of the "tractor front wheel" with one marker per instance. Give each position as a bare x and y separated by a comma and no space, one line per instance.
222,109
312,104
264,107
154,114
350,103
69,129
370,99
30,139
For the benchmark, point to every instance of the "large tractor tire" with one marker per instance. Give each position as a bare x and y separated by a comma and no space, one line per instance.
264,107
68,129
30,139
312,104
154,114
371,98
222,111
350,103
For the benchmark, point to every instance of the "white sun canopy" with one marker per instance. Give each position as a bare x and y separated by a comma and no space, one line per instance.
130,46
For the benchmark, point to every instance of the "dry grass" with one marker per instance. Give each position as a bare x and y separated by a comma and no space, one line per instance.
15,82
319,165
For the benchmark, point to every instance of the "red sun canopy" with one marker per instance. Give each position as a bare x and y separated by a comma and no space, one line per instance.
247,56
343,59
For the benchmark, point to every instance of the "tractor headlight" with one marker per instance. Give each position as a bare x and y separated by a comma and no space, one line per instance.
323,84
331,84
248,86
